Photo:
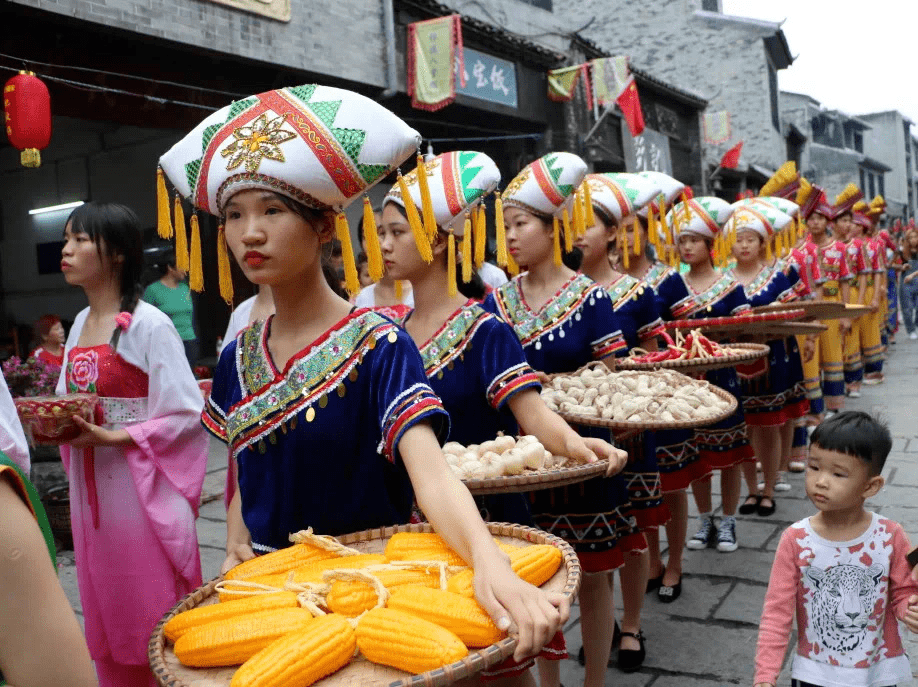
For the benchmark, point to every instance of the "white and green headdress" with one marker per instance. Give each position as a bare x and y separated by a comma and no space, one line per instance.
318,145
777,217
705,216
456,185
618,195
548,187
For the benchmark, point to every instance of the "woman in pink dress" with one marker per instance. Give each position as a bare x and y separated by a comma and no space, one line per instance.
136,475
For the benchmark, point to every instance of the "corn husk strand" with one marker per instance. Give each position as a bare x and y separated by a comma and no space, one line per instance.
224,271
500,231
371,238
195,268
181,237
163,215
467,249
421,239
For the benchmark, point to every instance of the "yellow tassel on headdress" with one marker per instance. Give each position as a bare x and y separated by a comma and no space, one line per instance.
421,239
195,269
343,233
512,267
481,236
849,192
664,226
467,249
652,233
181,238
768,254
859,206
556,239
451,288
785,175
577,220
686,209
224,274
568,239
499,231
623,250
371,238
430,221
878,202
399,291
163,216
636,229
589,217
804,192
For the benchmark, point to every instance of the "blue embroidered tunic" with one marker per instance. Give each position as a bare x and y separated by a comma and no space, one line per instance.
772,388
636,307
575,326
475,365
316,443
725,443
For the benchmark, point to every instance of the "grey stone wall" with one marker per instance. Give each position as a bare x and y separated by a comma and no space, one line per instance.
724,62
340,38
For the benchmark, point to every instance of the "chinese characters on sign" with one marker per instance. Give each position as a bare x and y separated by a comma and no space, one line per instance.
647,152
488,78
273,9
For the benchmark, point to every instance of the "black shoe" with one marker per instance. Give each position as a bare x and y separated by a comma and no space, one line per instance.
654,583
763,510
669,594
751,505
630,660
616,638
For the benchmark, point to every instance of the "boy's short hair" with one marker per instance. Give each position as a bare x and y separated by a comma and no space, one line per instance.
855,433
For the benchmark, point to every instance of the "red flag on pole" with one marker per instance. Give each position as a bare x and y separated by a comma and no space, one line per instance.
730,160
630,105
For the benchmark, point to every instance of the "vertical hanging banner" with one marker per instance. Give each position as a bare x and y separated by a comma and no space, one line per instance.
716,127
610,78
434,53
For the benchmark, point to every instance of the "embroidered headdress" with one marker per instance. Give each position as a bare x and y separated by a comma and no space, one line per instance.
457,184
784,183
318,145
617,196
551,188
705,215
812,198
845,201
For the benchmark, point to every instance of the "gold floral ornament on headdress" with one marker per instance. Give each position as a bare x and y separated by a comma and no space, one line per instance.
455,185
260,140
323,147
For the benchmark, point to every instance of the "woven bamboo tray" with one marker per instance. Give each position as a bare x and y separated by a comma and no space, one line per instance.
533,480
778,330
816,309
361,672
736,354
590,421
736,323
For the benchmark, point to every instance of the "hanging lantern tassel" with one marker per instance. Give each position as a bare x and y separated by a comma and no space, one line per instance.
343,233
371,238
481,236
430,221
451,265
590,216
163,216
556,239
223,268
399,291
195,269
411,212
568,239
636,229
467,249
500,231
181,237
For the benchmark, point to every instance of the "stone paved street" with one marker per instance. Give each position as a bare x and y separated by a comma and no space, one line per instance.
706,638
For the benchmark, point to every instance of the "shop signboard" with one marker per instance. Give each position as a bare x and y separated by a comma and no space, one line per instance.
647,152
487,78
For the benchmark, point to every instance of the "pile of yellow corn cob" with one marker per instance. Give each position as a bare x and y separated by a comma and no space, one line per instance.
295,616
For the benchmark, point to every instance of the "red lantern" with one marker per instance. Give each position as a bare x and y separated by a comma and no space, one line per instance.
27,105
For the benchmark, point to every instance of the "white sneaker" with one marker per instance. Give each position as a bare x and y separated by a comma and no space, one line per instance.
782,484
913,336
854,394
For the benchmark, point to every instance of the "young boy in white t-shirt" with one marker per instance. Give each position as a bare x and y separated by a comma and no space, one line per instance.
843,571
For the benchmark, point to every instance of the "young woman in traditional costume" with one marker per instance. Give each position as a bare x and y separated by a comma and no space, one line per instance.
615,199
136,476
472,358
772,390
871,344
564,320
834,282
326,408
705,292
